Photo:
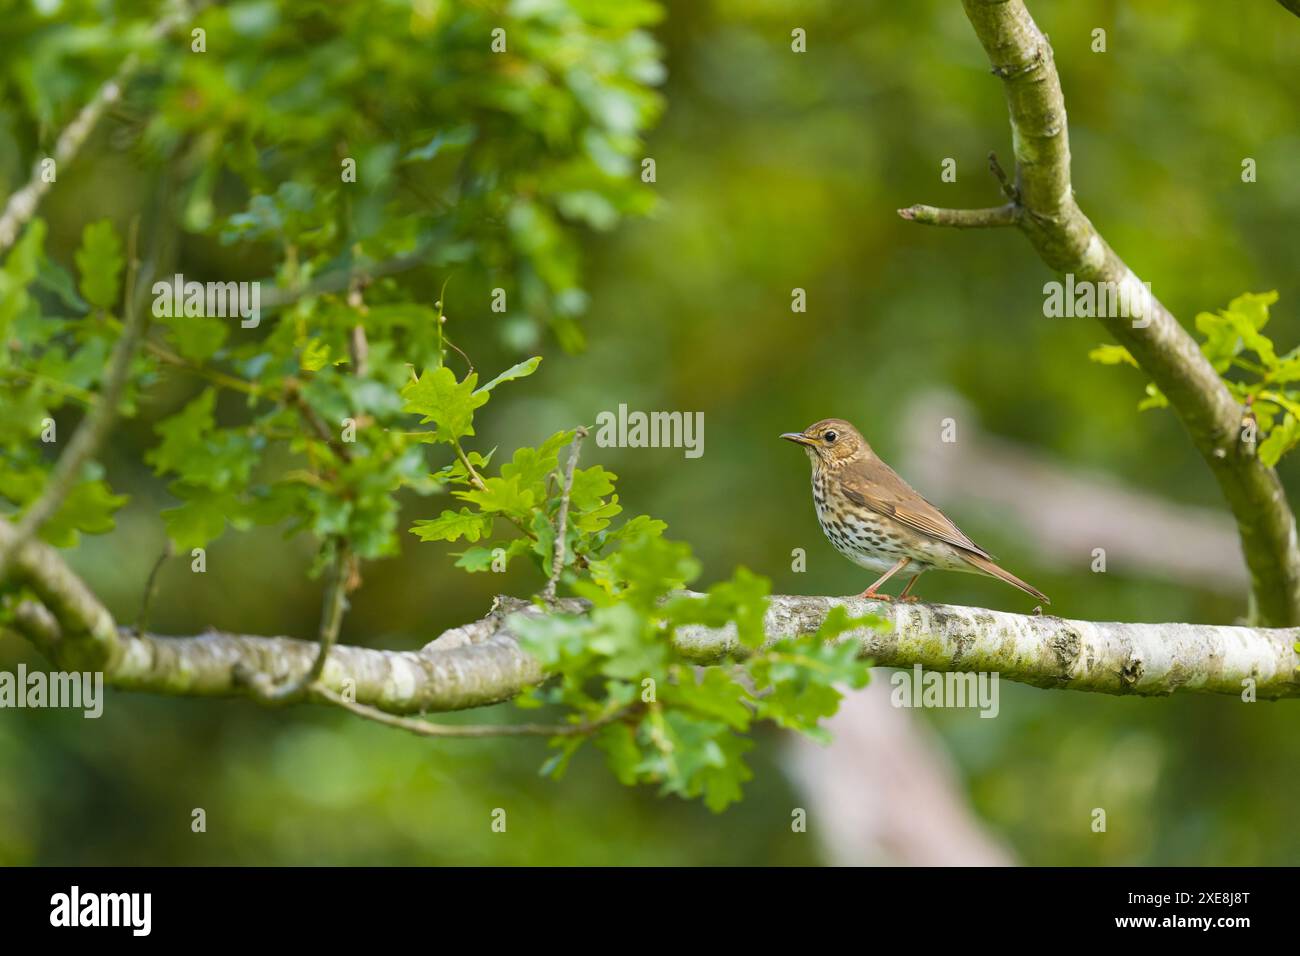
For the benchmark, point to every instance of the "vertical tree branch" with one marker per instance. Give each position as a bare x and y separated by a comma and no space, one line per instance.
333,606
557,565
1069,243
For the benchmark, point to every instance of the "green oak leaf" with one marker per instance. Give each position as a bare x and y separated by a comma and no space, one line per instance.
500,495
522,370
590,486
89,507
454,525
100,262
1112,355
183,433
20,269
200,518
532,465
1280,440
196,337
315,355
742,599
447,403
712,693
475,560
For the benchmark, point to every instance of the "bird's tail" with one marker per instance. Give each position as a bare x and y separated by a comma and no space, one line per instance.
991,569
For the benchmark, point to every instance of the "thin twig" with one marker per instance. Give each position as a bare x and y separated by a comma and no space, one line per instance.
82,395
293,397
474,477
341,279
215,376
477,481
1007,215
358,346
425,729
150,586
1009,188
331,622
360,351
460,351
557,566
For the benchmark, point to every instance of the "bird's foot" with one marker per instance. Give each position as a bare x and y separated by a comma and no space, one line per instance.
876,596
909,598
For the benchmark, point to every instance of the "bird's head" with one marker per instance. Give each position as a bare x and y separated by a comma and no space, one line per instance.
831,443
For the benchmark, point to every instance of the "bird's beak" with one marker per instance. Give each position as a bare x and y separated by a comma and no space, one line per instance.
797,437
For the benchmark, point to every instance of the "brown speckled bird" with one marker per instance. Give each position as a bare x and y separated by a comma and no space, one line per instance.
878,521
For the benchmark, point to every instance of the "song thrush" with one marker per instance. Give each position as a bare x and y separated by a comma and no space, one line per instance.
877,520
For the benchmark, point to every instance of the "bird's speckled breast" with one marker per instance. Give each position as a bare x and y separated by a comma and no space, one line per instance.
874,541
868,540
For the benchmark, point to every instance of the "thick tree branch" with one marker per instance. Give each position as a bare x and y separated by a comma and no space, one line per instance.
1068,242
482,663
70,625
470,666
488,666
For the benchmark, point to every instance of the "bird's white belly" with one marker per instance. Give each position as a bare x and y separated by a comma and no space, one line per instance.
871,562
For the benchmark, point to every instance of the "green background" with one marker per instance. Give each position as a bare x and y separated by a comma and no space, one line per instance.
775,170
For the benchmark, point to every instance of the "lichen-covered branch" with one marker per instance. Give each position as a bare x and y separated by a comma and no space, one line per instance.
482,663
1051,652
71,626
1069,243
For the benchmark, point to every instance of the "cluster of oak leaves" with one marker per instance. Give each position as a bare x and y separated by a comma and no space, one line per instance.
1264,384
243,451
659,718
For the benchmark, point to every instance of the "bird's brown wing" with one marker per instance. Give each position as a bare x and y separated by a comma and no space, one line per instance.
878,487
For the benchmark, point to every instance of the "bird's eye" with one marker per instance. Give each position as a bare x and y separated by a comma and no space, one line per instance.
830,438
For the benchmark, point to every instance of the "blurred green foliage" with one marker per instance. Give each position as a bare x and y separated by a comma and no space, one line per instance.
775,170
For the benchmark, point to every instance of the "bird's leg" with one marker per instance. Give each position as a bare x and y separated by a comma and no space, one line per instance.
913,599
871,591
